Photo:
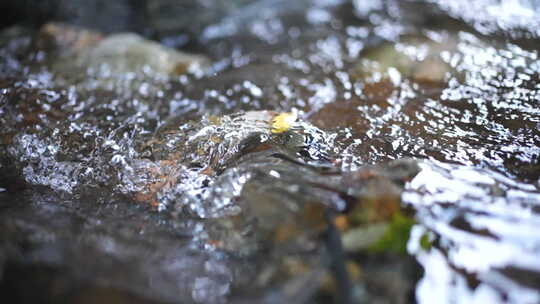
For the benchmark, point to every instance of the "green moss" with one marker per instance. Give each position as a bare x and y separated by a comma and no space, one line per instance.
425,242
396,236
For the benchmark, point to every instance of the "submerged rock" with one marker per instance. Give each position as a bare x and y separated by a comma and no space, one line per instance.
288,210
378,222
417,58
210,151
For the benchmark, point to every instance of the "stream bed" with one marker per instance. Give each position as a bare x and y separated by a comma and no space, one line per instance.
271,152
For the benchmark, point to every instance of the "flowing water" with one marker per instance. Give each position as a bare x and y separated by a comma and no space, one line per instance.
154,183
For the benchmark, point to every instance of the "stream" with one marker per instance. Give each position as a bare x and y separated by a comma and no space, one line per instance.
270,151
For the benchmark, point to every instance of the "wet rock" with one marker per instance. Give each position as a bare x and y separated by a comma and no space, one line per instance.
362,238
377,221
286,212
211,150
116,54
416,58
285,204
65,40
286,209
125,53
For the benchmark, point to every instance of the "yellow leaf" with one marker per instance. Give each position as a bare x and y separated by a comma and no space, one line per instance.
283,122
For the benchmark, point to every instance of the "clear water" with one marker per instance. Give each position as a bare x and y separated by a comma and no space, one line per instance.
453,86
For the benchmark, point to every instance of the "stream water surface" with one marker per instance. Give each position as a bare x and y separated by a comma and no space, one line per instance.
125,177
